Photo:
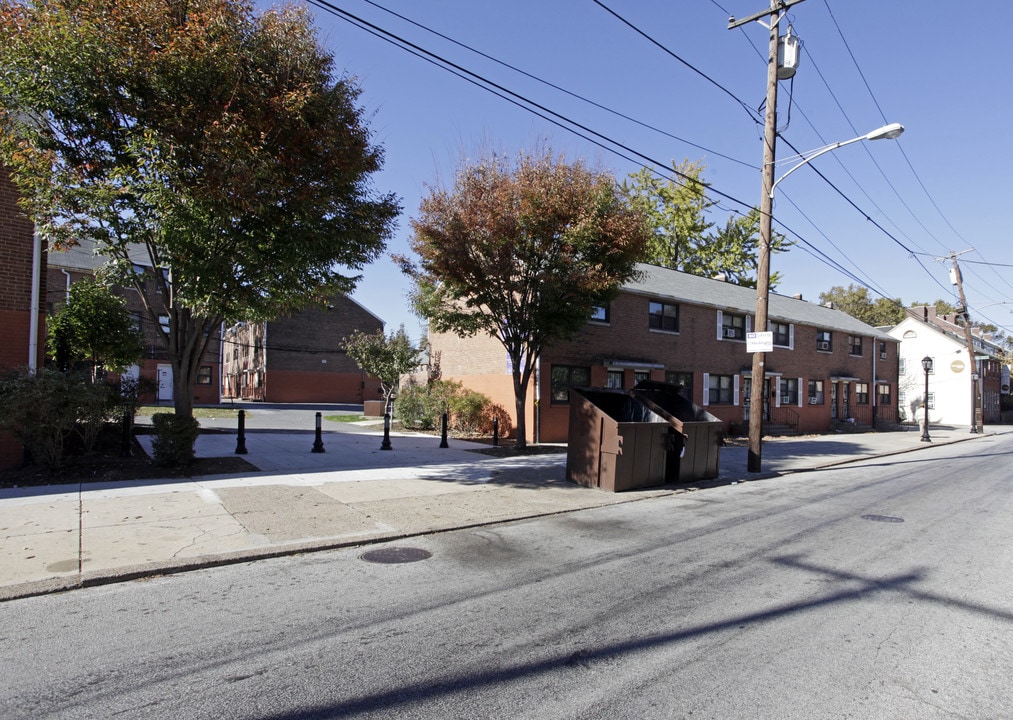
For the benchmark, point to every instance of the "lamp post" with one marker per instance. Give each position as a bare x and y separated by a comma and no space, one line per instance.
927,367
887,132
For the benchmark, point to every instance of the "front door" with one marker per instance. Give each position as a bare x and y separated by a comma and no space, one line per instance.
747,398
833,401
845,410
165,383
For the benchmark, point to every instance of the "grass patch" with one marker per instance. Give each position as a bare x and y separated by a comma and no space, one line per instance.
198,412
345,418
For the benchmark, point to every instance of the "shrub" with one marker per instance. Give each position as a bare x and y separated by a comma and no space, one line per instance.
175,435
422,407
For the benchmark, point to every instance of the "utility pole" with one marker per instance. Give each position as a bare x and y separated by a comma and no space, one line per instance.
756,396
957,280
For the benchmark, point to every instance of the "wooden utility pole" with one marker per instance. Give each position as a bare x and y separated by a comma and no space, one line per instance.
756,396
969,337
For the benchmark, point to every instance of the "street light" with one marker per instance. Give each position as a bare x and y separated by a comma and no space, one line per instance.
927,367
887,132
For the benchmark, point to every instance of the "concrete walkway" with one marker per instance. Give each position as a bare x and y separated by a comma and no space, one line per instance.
62,537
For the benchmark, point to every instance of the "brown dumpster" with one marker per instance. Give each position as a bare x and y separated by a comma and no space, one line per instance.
702,432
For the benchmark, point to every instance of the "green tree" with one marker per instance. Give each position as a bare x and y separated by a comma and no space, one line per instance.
385,357
215,140
95,327
856,302
522,251
676,210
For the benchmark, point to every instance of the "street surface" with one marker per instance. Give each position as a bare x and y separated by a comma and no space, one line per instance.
880,590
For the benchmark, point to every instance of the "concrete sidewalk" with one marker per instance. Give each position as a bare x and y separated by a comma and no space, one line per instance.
63,537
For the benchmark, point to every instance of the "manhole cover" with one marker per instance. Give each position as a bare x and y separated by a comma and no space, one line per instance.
883,518
396,555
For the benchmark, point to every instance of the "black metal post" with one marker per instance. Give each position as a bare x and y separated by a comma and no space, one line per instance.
318,444
385,445
125,448
443,437
495,432
925,427
241,437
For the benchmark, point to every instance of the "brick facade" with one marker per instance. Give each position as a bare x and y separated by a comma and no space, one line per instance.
17,244
298,358
622,348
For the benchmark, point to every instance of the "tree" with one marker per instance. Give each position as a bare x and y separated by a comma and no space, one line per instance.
94,326
682,238
385,357
523,251
215,140
855,301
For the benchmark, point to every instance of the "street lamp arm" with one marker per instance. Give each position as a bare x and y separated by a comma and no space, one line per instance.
887,132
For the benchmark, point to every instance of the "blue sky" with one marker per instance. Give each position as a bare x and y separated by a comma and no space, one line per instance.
943,71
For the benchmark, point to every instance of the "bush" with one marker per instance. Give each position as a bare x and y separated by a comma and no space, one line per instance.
421,407
175,435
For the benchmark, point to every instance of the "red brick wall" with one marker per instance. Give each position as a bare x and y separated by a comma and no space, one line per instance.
480,362
330,387
17,240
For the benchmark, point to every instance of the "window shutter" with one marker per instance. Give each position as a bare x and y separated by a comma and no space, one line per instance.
707,386
735,391
800,386
791,338
721,320
749,323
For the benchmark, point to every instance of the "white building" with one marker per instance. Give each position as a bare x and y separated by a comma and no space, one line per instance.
951,387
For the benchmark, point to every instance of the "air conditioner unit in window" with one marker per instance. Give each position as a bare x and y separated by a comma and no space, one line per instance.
822,346
730,332
813,400
882,356
785,399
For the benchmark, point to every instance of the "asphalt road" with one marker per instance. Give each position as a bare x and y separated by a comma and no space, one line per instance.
876,591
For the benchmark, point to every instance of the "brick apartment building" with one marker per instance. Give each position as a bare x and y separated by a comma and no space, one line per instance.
69,266
826,367
298,358
18,254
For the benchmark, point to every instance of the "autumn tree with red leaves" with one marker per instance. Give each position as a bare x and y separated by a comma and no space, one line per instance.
523,251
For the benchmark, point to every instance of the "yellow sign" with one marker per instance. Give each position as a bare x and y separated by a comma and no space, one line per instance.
957,366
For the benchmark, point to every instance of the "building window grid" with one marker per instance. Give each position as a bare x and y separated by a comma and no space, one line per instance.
733,327
564,377
883,390
683,379
861,393
614,379
855,345
789,391
782,334
721,390
817,392
601,314
824,341
203,375
663,316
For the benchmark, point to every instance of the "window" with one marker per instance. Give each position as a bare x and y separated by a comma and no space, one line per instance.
720,390
664,317
902,366
614,379
566,376
640,376
883,389
882,350
733,327
782,333
855,342
685,379
789,391
163,321
816,392
204,375
824,341
861,393
600,314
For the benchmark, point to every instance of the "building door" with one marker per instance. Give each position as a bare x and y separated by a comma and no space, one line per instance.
747,397
833,401
165,383
845,393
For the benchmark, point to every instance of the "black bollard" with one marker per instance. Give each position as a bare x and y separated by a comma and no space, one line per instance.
125,448
495,432
443,437
318,443
385,445
241,437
